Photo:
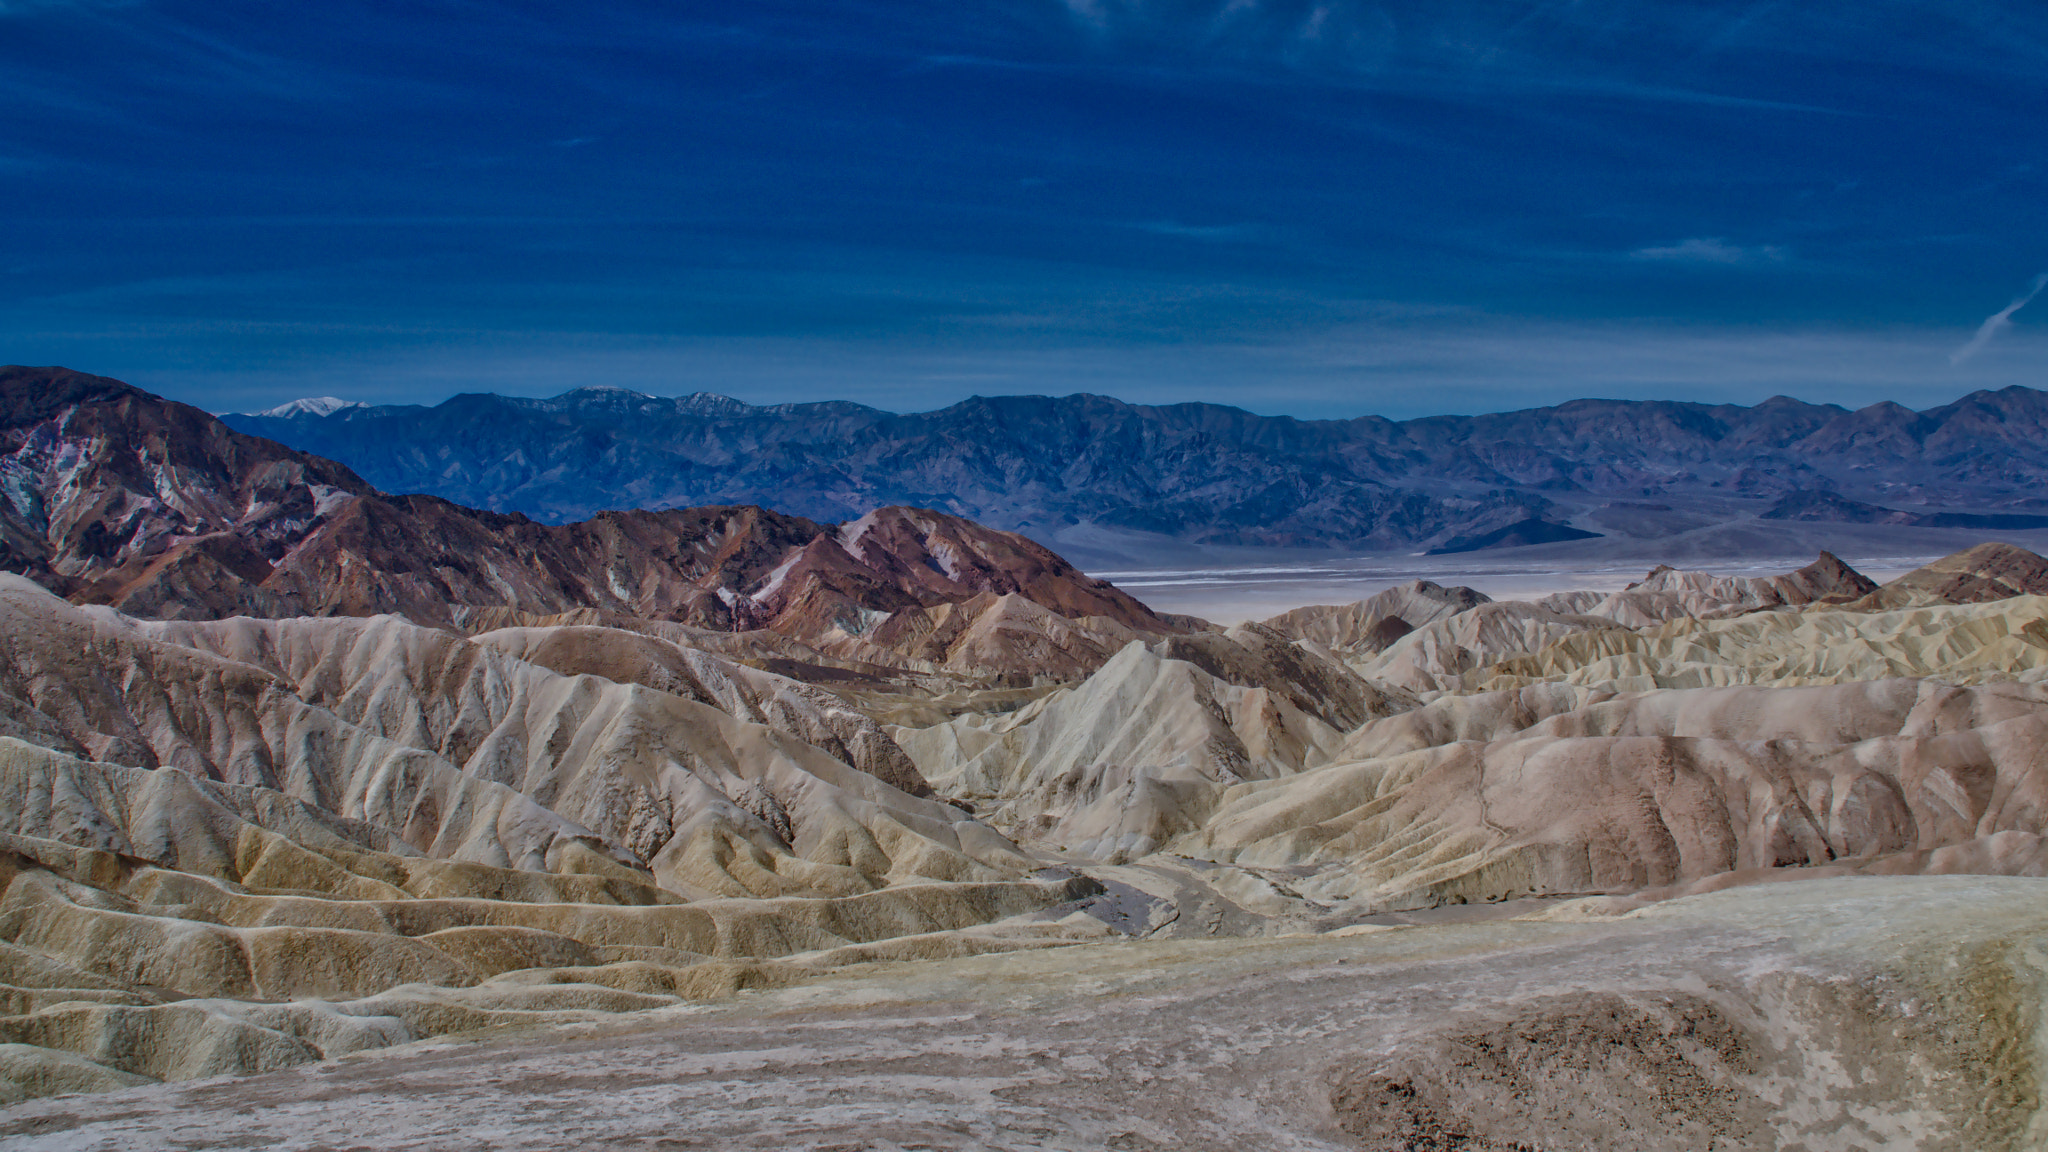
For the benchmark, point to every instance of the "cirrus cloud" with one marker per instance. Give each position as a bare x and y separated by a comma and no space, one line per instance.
1712,250
1997,322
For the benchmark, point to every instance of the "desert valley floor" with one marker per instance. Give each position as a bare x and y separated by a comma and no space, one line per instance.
332,819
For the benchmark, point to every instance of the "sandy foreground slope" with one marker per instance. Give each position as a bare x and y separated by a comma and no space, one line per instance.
1829,1014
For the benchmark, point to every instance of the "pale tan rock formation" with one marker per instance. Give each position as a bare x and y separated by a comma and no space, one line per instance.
337,834
1443,655
1671,594
470,753
1256,656
810,714
1114,767
1370,625
160,925
1964,644
1622,793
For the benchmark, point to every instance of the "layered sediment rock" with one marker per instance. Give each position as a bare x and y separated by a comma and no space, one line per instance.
385,768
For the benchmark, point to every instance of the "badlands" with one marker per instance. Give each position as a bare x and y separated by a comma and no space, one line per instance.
333,818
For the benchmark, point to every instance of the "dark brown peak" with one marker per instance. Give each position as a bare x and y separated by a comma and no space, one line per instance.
1830,565
1454,594
929,523
934,549
1990,571
1987,557
2003,566
134,424
1652,574
423,505
29,395
1829,578
162,508
935,556
715,517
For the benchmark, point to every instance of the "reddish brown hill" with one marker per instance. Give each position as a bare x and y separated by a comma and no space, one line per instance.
1989,571
111,495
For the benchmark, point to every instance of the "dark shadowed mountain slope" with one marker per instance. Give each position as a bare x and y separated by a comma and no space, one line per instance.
1830,508
1198,472
109,495
1030,463
1519,534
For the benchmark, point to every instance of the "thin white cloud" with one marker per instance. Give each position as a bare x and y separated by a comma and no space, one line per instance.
1712,250
1997,322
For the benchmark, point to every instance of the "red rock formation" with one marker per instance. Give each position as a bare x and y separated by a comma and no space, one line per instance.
110,495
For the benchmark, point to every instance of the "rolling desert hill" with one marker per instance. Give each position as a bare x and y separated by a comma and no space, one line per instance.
786,822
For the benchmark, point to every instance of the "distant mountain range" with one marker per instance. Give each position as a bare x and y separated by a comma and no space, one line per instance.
1210,474
109,495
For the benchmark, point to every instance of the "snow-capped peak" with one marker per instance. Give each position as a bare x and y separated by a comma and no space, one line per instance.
311,406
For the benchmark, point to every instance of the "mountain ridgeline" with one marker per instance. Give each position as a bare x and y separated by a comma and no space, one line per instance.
1206,473
112,496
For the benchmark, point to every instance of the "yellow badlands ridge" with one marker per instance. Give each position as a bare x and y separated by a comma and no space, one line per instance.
1807,824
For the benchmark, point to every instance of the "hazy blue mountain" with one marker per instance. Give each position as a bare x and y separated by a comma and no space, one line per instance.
1197,472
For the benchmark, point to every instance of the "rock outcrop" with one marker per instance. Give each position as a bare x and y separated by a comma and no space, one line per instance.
1370,625
1659,790
1117,766
1670,594
1991,571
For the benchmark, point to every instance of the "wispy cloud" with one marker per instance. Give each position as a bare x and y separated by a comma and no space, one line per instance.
1467,52
1712,250
1997,322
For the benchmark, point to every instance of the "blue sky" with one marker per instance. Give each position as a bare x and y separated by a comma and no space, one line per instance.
1317,207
